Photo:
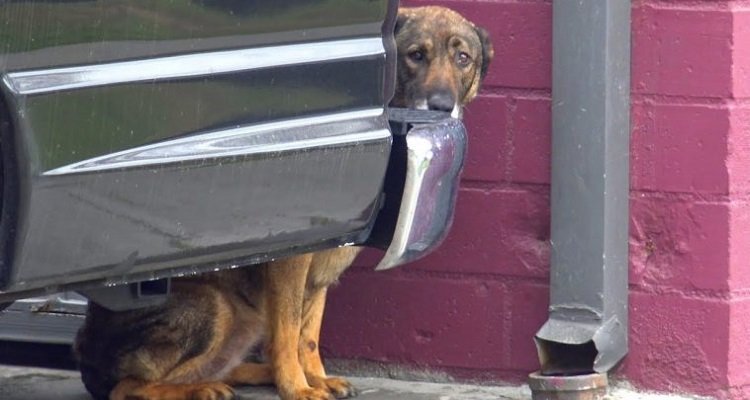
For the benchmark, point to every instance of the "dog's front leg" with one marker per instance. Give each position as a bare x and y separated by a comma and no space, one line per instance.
309,347
285,282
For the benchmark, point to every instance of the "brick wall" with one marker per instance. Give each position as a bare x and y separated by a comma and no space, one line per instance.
472,308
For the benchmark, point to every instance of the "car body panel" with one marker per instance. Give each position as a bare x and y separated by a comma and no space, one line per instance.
144,140
156,137
41,34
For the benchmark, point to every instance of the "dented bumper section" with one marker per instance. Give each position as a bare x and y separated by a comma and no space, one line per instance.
422,184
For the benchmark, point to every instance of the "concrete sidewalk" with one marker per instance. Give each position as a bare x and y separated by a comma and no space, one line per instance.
45,384
21,383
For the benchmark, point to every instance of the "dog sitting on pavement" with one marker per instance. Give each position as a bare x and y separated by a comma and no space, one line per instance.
195,345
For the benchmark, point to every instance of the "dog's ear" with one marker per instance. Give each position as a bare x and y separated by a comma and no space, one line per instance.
400,21
487,51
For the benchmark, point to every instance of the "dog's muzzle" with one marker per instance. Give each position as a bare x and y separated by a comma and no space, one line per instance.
440,103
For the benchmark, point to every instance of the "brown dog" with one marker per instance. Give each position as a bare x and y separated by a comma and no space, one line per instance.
442,59
194,346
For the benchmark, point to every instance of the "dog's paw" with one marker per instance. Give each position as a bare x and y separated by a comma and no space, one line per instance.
339,388
312,393
202,391
213,391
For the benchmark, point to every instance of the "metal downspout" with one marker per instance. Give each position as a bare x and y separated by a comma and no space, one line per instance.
586,332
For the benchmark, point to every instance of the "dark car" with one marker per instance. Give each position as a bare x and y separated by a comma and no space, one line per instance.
143,140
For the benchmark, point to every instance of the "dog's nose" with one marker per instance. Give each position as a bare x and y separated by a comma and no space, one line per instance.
441,101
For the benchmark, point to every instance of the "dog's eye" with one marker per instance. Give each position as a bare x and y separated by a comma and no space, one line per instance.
463,59
416,55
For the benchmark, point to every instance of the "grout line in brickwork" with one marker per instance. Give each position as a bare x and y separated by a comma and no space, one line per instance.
431,2
739,198
710,102
637,98
739,294
521,93
638,288
543,189
643,98
688,293
470,276
510,147
507,328
734,197
717,198
488,186
690,5
509,280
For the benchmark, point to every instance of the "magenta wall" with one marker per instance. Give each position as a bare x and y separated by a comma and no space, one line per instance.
472,308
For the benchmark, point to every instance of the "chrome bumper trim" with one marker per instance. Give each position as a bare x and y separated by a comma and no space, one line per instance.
189,65
435,156
273,137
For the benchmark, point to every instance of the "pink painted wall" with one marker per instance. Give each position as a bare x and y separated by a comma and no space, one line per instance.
472,308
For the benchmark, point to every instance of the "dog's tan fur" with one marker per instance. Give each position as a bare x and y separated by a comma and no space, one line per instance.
442,59
194,347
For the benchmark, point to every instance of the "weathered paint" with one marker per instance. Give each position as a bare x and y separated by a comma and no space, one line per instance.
472,308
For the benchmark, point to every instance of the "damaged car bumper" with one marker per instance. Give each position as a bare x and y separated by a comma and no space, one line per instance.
431,149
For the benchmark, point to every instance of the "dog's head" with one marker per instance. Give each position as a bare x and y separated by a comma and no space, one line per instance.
442,59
